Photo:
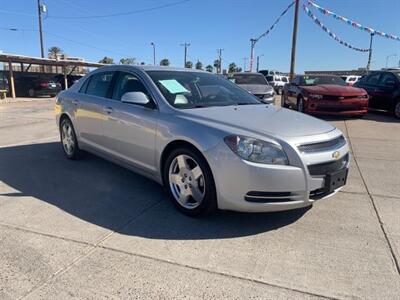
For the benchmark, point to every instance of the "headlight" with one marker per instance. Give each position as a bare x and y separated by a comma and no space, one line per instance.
256,150
315,96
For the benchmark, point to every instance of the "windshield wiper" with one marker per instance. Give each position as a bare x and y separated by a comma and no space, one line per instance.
247,103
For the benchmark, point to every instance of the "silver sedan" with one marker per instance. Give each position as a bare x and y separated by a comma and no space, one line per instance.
209,142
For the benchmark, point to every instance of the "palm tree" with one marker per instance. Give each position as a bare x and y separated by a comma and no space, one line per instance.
199,65
189,64
164,62
232,67
209,68
217,65
54,53
127,61
106,60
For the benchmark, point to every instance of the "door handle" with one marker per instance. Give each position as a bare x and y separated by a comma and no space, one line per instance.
108,110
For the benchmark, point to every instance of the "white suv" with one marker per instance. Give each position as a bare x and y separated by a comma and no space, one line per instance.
277,82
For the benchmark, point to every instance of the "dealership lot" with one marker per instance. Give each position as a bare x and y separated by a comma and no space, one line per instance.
90,229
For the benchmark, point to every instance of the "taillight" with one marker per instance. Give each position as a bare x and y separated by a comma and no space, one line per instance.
44,84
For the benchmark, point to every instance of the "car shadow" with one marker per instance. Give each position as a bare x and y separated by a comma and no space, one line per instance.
115,198
376,116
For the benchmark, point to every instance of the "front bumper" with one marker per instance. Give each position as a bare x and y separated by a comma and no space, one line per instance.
347,107
239,183
268,99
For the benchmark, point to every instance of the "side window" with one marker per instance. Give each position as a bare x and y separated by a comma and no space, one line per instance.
373,79
84,86
99,84
296,80
387,79
127,82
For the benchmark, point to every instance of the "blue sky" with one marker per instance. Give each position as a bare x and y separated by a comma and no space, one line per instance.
207,25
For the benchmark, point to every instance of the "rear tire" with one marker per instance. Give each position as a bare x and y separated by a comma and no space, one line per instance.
189,183
31,93
279,91
69,141
283,103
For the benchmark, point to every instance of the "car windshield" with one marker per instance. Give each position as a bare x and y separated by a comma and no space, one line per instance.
185,89
249,79
318,80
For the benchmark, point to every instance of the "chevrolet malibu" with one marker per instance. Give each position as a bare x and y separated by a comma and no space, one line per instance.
211,144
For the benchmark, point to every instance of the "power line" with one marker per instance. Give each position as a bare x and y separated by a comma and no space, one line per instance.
125,13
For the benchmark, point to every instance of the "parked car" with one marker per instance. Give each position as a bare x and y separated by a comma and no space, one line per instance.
277,82
210,143
383,88
35,84
350,79
255,84
71,79
324,94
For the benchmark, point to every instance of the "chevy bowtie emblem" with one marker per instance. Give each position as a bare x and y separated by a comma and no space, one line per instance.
336,154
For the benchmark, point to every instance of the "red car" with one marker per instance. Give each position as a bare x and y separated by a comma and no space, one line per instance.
324,95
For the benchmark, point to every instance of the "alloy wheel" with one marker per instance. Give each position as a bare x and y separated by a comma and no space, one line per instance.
68,138
186,181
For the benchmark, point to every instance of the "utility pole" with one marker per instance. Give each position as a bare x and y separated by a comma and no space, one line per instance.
370,53
252,44
244,63
154,53
186,45
389,56
294,40
41,9
220,60
258,61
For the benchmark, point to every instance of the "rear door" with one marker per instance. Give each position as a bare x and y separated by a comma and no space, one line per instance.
293,90
89,107
387,86
130,129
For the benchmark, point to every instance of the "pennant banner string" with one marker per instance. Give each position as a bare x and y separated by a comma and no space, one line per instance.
353,23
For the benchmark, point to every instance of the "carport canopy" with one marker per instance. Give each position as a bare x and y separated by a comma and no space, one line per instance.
13,58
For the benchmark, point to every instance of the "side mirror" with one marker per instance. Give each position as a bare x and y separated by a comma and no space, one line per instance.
135,98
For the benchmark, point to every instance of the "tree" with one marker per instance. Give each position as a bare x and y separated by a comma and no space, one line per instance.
209,68
127,61
239,69
199,65
232,68
217,65
106,60
142,63
54,52
164,62
189,64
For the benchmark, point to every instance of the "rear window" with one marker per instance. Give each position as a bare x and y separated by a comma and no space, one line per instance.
249,79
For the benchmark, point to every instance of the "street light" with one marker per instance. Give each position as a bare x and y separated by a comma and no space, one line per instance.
154,53
258,60
389,56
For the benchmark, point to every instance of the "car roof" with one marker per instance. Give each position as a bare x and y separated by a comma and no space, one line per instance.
151,68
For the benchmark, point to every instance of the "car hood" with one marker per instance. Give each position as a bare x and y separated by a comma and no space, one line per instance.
257,89
336,90
261,119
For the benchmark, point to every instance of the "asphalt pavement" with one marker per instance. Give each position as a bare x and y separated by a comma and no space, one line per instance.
92,230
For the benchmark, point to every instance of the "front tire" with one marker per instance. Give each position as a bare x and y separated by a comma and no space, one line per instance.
69,141
189,182
397,110
300,104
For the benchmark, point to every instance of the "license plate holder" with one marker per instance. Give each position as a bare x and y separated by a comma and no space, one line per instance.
335,180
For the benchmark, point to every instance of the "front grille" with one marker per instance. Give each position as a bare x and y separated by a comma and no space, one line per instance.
338,98
329,167
323,146
261,96
338,108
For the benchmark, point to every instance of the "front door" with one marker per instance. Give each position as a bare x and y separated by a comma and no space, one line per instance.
130,129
